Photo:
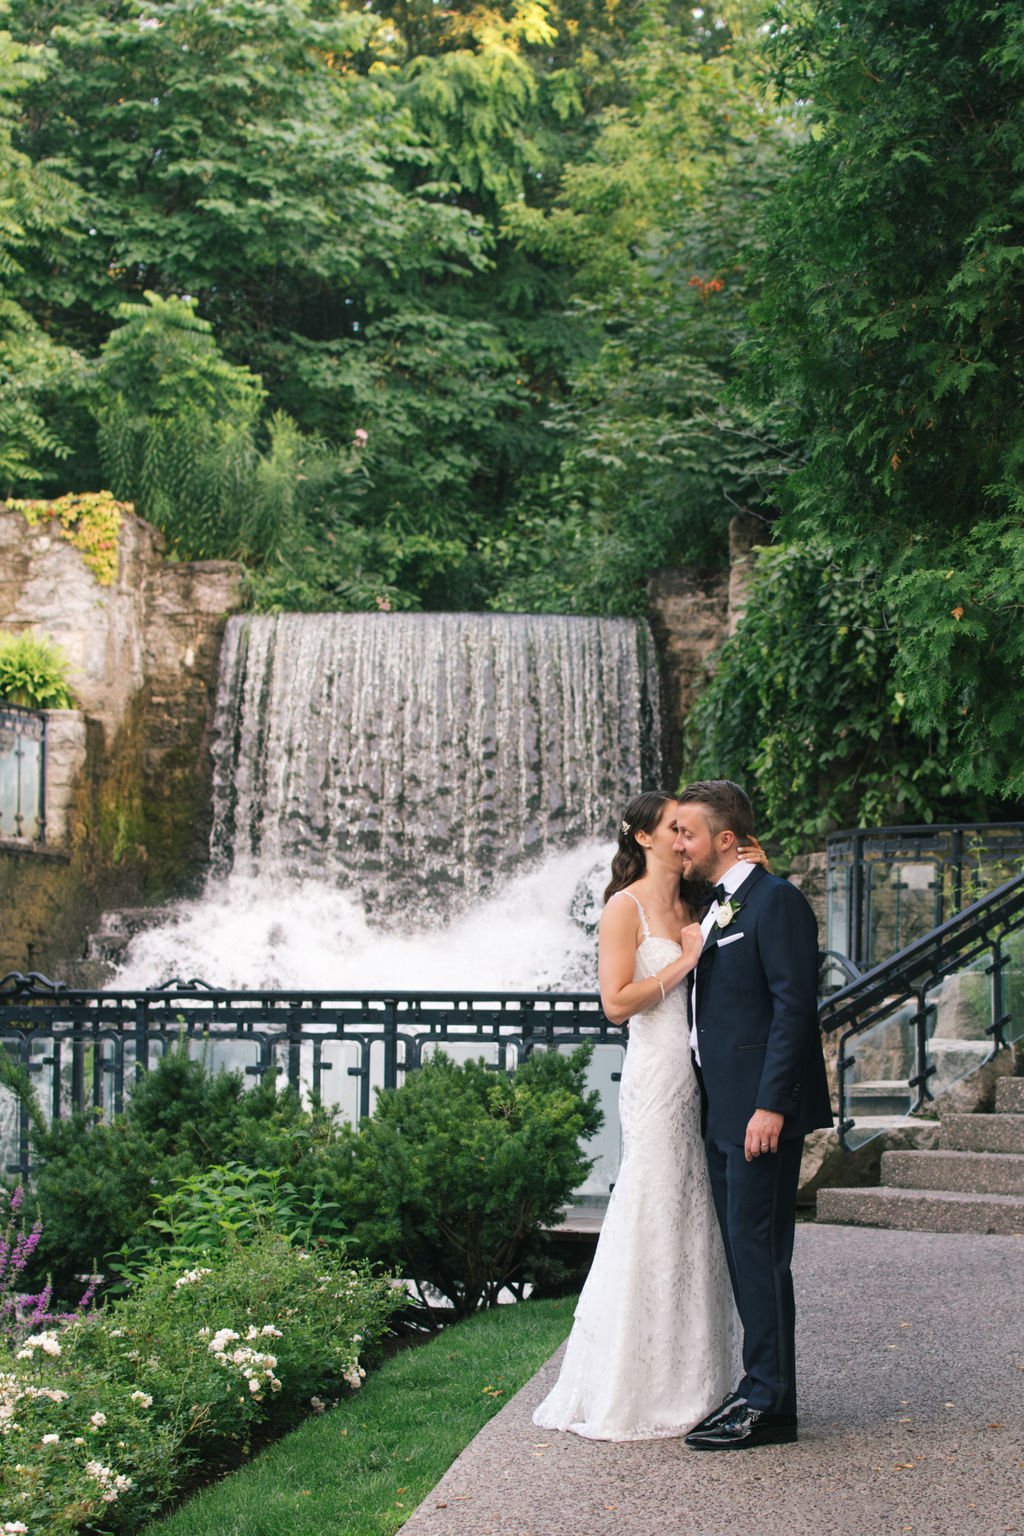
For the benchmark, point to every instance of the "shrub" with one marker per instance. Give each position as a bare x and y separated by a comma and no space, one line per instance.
98,1184
33,672
453,1178
108,1417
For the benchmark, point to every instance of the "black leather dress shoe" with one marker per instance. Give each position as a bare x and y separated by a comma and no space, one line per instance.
743,1428
716,1415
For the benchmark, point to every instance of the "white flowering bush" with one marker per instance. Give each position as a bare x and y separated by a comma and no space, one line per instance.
103,1420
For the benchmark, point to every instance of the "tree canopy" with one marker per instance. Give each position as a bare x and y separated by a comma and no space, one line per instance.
508,305
466,253
891,292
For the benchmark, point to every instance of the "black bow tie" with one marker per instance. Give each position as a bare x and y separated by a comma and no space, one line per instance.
717,894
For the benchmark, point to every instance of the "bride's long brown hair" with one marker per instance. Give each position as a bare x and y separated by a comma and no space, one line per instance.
630,860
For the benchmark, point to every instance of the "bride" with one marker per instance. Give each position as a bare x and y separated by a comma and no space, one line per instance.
655,1344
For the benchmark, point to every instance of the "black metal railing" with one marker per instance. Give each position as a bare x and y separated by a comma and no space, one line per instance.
82,1049
899,988
887,886
22,773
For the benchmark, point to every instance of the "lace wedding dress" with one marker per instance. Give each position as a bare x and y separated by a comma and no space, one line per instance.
656,1340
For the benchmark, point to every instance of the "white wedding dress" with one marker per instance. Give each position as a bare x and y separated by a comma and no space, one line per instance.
655,1344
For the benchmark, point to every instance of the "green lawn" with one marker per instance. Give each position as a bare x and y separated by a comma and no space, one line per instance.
361,1469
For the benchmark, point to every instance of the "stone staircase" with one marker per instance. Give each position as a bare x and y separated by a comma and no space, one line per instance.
973,1182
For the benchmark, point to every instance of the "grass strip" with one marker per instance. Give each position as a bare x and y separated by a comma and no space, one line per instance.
361,1469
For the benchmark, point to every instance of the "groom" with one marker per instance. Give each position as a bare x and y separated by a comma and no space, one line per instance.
754,1036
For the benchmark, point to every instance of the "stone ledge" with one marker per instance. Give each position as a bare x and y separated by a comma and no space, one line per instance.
825,1165
17,848
1010,1096
1003,1132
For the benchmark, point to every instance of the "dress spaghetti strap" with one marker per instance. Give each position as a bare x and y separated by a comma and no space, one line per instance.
644,924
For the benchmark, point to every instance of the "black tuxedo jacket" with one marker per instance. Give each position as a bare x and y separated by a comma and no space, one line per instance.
757,1013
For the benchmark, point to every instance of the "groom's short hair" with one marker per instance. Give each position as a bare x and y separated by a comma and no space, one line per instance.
726,804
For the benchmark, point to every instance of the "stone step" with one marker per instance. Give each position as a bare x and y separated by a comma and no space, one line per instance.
922,1210
1010,1096
966,1173
982,1133
107,946
881,1096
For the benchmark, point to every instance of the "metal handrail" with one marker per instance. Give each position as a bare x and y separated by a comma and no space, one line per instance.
950,848
910,974
95,1042
98,1040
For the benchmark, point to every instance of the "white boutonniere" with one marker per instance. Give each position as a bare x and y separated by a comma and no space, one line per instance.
726,912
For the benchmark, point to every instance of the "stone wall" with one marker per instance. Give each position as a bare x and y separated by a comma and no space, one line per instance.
691,616
127,793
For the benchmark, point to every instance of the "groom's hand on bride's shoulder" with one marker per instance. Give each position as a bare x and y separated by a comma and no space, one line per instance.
763,1131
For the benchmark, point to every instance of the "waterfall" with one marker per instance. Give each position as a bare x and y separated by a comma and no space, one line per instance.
418,759
452,779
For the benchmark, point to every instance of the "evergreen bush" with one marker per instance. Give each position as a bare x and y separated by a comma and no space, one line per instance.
99,1185
454,1177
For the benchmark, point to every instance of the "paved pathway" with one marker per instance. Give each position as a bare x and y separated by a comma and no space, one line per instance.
911,1358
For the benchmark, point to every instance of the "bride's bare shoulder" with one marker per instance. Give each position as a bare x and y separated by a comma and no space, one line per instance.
620,913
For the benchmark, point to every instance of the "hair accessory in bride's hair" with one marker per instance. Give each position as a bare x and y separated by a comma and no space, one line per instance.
625,829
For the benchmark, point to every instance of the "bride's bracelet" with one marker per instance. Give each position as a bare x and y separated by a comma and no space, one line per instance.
661,984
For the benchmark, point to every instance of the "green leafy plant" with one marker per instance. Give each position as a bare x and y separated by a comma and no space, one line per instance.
452,1178
33,672
230,1203
804,706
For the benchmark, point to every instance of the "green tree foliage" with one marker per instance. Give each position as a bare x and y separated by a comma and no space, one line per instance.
35,373
470,253
655,452
452,1178
177,426
893,282
805,706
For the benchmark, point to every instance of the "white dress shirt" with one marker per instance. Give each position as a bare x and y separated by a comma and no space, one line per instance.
731,881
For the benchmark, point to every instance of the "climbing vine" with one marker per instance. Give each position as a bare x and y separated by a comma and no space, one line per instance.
90,522
806,710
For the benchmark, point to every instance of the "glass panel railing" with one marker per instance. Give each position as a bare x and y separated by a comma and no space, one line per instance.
889,886
22,736
903,904
1013,988
880,1063
959,1038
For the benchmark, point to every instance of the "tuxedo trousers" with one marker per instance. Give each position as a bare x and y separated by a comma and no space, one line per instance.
756,1206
